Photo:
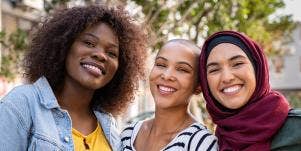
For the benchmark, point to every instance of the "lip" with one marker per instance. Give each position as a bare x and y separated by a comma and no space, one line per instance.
94,64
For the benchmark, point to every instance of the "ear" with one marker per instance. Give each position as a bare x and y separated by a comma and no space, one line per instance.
198,90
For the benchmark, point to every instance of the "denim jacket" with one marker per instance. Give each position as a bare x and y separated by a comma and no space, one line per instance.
31,119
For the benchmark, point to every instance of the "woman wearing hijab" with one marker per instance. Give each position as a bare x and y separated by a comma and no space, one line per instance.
239,98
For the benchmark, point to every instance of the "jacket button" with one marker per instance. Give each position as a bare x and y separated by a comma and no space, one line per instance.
66,139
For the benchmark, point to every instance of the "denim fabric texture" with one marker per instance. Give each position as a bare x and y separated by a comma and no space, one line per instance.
31,119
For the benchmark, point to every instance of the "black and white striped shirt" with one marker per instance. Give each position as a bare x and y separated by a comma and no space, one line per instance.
196,137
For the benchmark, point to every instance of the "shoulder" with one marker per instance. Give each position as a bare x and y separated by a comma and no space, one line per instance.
16,106
20,96
129,130
22,91
194,138
294,113
128,135
289,135
201,138
197,129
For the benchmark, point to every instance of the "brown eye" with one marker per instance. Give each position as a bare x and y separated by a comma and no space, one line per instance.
112,54
161,65
238,64
89,44
183,70
213,70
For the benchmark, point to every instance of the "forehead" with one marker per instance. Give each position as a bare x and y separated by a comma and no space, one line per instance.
177,52
101,30
225,51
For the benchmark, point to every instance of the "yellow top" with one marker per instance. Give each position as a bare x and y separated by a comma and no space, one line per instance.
94,141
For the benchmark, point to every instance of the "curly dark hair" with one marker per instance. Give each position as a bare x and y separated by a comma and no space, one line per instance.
52,41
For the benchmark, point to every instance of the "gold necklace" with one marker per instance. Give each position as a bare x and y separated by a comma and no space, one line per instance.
173,133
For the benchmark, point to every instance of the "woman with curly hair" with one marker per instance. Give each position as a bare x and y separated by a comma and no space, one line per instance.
83,66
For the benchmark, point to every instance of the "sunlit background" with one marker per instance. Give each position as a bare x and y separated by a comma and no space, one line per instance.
275,24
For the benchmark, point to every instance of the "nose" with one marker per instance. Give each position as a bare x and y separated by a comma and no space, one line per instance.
227,76
99,55
168,75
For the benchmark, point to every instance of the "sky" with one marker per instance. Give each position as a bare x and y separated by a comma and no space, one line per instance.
292,7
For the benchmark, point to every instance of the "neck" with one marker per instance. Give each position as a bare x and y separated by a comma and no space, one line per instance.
164,127
74,98
170,121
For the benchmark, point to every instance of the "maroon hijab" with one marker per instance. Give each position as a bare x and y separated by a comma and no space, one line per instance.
252,126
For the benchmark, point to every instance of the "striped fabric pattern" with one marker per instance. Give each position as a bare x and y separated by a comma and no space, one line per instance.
196,137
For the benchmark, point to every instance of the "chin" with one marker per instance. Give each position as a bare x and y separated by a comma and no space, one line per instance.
233,107
92,86
162,105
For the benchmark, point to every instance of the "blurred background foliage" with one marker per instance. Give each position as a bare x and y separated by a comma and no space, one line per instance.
191,19
198,19
13,47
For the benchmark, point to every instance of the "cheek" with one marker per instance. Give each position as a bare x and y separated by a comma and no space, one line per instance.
114,67
188,82
212,83
153,74
73,56
252,82
151,79
69,63
250,78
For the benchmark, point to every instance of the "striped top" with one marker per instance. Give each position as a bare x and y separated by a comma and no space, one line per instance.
196,137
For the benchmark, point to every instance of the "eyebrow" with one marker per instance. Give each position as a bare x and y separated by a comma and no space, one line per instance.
94,36
237,57
231,59
211,64
180,62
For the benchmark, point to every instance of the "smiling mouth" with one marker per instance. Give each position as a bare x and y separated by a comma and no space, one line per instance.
94,69
166,89
231,90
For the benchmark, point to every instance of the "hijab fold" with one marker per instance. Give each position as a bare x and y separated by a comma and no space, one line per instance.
252,126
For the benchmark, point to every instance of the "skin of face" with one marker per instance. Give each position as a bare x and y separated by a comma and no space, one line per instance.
231,76
173,77
93,58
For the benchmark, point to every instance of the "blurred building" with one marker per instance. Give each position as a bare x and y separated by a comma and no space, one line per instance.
285,71
20,14
14,15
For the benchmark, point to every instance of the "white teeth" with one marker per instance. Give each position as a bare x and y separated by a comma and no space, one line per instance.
231,89
167,89
91,67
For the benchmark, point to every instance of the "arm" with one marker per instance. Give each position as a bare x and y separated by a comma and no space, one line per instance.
202,140
14,128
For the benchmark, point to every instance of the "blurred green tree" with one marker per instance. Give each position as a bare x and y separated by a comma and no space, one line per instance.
13,46
197,19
